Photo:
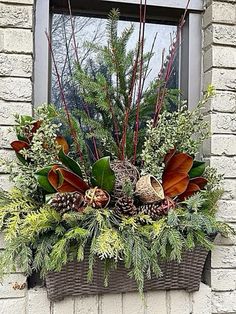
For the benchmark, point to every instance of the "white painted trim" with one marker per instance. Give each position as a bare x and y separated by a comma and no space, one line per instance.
41,51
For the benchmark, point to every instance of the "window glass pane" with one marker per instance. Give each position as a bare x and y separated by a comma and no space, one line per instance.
93,29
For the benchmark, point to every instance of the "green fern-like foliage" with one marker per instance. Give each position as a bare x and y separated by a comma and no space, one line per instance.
38,238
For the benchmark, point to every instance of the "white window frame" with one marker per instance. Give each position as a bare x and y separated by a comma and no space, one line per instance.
191,48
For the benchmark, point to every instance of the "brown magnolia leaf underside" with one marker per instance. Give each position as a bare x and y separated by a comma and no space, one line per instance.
180,162
174,183
191,189
64,180
19,145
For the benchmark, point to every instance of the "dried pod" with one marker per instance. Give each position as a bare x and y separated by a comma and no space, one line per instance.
149,189
97,197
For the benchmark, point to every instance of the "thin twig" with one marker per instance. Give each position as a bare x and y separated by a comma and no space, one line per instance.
85,106
131,89
173,50
143,21
72,130
73,32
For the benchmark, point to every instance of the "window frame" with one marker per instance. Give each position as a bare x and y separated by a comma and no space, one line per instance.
190,49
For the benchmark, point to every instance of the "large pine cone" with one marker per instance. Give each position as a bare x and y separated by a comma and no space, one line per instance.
125,206
125,173
155,210
69,201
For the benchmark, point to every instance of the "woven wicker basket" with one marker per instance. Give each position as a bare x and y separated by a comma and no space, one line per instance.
72,279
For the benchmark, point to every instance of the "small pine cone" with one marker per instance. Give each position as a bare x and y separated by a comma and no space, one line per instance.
125,206
64,202
155,210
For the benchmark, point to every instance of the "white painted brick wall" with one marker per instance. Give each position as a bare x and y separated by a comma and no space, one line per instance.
219,64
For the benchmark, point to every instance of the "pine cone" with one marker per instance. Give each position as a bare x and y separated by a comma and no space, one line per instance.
125,206
155,210
64,202
97,198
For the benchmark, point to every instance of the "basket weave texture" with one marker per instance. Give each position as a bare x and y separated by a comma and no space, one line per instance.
72,279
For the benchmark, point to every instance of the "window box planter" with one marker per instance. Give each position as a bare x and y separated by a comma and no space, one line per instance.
72,279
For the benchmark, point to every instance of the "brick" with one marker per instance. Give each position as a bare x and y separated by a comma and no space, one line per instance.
220,34
15,16
16,40
179,302
222,79
230,240
224,102
225,165
6,137
221,57
213,14
15,65
9,109
156,302
86,305
12,306
38,302
223,123
229,189
5,182
223,257
223,145
224,302
132,303
201,300
15,89
111,301
13,286
64,306
223,280
227,210
6,155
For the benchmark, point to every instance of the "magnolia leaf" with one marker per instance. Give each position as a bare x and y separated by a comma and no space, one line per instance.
180,162
70,163
36,126
21,159
169,155
198,169
42,178
61,141
174,183
191,189
64,180
19,145
102,174
200,181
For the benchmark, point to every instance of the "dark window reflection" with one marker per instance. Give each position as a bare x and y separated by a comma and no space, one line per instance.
91,29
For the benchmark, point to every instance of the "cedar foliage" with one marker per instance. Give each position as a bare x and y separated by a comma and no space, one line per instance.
39,238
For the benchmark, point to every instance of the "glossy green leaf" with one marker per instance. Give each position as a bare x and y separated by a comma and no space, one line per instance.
102,174
70,163
21,158
197,169
42,178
